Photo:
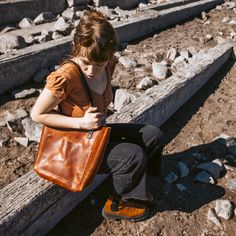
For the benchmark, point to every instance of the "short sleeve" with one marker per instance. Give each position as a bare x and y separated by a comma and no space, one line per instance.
58,85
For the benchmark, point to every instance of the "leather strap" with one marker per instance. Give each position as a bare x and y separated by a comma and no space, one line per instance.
83,81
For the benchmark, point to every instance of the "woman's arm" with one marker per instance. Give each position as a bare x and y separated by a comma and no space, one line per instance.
42,112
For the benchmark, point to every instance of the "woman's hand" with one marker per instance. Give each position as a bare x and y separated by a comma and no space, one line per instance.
92,119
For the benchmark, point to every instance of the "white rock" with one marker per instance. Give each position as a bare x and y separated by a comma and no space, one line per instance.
211,215
185,53
184,170
192,50
12,116
204,15
231,184
22,140
204,177
222,138
145,83
29,39
172,54
220,39
123,98
159,70
170,178
63,26
25,23
69,14
10,42
230,5
32,129
219,8
224,209
181,188
19,93
142,5
225,19
57,35
231,146
7,29
232,22
179,64
213,168
3,142
127,62
209,37
44,17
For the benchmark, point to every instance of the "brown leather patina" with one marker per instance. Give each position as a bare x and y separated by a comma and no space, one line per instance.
70,158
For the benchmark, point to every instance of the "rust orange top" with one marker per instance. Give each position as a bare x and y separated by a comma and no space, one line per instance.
66,85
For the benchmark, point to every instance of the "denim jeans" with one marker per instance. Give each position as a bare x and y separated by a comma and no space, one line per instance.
133,151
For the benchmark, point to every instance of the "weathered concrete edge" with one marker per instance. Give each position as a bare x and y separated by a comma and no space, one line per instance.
39,56
15,10
166,5
60,208
145,24
158,108
38,28
168,97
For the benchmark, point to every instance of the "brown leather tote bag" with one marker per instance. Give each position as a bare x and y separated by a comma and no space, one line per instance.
71,158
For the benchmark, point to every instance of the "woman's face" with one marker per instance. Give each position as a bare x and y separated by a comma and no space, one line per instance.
91,69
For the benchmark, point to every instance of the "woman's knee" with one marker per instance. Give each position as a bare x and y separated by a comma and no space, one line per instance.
125,157
152,137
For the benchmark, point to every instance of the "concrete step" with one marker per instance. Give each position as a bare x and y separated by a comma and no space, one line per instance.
14,66
13,11
34,30
32,206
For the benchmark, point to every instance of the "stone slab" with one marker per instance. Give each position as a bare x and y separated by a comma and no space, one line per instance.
151,20
163,100
12,11
21,66
127,4
41,55
32,206
166,5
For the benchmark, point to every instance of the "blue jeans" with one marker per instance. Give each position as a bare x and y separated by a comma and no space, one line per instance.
133,151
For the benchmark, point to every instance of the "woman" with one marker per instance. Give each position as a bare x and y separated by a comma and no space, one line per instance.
132,149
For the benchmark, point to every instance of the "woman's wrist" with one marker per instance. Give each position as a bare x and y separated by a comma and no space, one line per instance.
78,123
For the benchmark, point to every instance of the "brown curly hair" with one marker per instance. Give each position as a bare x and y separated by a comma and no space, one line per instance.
94,38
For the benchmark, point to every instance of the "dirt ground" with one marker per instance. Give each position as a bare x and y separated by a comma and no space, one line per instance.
208,114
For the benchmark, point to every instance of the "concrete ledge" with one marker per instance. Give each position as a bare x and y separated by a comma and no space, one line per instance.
32,206
12,11
151,20
163,100
41,55
22,65
34,30
166,5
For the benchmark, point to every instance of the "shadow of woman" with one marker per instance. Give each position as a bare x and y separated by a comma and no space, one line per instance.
186,193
